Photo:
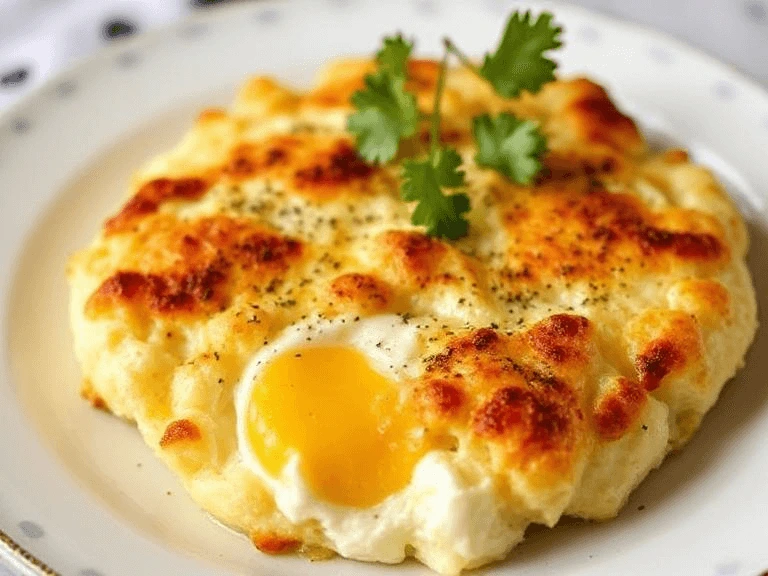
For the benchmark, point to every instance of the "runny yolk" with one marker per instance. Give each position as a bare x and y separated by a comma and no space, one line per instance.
356,445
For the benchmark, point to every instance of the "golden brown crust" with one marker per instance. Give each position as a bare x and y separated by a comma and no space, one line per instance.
367,291
520,392
211,258
561,338
676,345
417,256
95,400
595,233
319,167
593,115
149,198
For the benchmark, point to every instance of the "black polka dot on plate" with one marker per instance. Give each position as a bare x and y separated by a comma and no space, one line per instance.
118,28
192,31
89,572
724,90
341,3
495,6
660,55
588,34
206,3
14,77
729,569
756,10
20,126
65,88
128,60
31,530
267,16
425,6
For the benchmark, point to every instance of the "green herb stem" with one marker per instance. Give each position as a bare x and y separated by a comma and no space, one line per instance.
463,58
434,139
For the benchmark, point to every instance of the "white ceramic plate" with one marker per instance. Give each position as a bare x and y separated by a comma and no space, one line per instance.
81,492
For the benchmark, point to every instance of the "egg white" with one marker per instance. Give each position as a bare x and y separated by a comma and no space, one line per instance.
449,524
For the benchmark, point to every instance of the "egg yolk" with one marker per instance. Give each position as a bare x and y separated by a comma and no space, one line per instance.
345,420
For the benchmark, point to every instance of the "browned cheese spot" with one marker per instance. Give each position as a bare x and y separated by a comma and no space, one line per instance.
422,75
619,408
658,359
594,117
95,399
149,198
488,382
364,289
417,256
252,159
543,416
180,431
443,398
317,166
331,168
205,254
560,338
272,543
571,234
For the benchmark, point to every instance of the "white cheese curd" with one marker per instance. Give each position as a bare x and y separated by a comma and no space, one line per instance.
451,525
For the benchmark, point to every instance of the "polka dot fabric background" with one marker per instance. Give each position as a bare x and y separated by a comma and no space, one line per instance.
40,37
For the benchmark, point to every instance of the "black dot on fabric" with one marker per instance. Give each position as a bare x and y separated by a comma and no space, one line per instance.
756,10
118,28
14,77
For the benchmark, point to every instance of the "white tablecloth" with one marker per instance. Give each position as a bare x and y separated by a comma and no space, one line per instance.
38,37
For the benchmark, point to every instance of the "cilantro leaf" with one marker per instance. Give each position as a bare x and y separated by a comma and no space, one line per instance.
386,113
423,182
394,55
509,145
519,63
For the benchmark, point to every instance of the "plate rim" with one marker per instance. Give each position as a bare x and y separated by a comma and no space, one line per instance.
21,558
10,550
121,44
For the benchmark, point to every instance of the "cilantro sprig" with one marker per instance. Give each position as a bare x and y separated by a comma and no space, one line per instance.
393,56
386,114
519,62
424,181
509,145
